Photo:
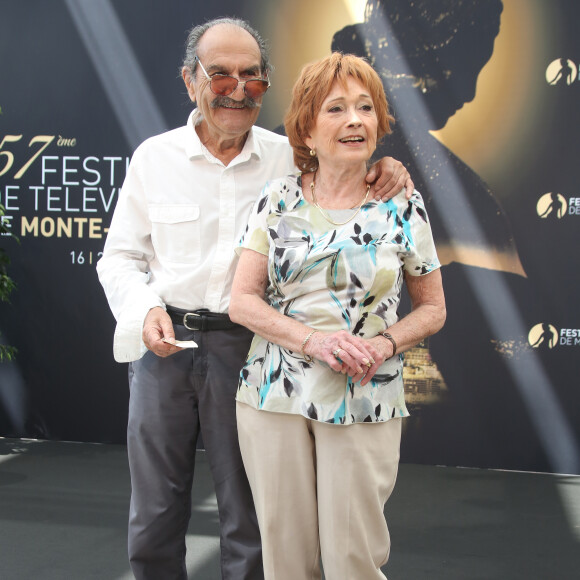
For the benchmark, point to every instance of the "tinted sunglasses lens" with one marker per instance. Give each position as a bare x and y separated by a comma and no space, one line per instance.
223,85
255,89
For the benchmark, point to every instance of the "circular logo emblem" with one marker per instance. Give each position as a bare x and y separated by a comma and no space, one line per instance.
561,71
552,205
543,335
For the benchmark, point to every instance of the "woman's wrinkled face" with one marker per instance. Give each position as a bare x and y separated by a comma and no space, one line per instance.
345,129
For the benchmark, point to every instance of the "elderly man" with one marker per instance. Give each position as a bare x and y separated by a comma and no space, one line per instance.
167,269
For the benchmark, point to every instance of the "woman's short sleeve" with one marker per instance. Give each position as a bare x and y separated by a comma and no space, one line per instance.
256,234
420,255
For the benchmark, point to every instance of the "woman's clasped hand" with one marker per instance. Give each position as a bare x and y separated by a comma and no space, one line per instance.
348,354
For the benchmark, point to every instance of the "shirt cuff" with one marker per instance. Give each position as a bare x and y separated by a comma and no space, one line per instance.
128,345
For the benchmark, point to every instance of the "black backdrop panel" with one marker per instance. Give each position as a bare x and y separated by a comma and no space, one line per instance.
82,83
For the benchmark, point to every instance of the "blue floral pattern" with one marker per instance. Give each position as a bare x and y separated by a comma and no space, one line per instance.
331,277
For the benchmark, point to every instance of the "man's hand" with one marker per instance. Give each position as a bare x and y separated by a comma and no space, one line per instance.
156,327
388,176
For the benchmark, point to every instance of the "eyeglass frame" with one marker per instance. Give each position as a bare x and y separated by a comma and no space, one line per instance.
240,82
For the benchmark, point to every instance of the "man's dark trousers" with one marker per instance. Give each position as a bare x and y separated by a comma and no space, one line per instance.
172,400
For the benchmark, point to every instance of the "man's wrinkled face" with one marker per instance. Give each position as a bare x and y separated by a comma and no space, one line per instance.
227,50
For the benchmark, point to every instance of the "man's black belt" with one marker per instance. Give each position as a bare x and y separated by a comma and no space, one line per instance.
201,319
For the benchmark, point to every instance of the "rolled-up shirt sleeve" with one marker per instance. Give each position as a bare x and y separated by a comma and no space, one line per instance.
123,268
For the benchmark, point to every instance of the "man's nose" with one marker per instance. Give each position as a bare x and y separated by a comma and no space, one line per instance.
239,94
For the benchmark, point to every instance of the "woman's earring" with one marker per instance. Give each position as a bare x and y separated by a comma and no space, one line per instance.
312,153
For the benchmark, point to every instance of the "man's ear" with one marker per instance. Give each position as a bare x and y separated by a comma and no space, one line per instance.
188,80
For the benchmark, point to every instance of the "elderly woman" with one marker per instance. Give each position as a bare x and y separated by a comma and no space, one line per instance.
320,399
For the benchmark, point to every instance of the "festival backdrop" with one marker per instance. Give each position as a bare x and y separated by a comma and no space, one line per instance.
484,94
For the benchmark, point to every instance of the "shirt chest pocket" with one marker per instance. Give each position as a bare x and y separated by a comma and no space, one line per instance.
175,232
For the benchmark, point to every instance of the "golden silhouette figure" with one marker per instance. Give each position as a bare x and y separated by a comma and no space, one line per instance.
429,54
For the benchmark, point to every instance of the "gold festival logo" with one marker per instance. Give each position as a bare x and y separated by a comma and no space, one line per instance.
543,335
552,205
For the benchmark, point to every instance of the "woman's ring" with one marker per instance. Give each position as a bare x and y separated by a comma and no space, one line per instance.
335,352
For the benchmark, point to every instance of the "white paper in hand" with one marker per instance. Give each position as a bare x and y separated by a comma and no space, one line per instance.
182,343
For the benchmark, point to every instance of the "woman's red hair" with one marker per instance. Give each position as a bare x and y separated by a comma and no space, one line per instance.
311,89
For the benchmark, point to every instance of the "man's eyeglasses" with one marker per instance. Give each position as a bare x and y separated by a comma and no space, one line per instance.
225,85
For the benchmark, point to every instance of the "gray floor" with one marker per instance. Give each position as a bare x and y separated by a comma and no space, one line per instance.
63,511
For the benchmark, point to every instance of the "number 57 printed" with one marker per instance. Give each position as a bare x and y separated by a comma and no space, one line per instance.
46,139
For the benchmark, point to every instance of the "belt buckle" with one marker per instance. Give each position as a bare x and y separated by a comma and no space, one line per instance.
195,327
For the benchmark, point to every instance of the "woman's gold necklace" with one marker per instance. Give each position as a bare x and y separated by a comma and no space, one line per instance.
325,215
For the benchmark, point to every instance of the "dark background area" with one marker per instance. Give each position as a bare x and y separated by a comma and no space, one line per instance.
64,384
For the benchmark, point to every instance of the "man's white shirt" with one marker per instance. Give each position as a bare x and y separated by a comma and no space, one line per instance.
179,216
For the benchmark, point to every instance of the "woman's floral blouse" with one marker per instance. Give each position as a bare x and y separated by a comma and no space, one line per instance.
330,278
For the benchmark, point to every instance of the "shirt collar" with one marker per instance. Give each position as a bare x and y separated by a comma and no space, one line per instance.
194,147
